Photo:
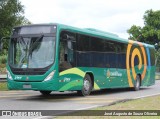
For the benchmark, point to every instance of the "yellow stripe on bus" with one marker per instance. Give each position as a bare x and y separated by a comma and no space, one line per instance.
96,87
73,71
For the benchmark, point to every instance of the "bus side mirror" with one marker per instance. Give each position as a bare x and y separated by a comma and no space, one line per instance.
69,44
66,37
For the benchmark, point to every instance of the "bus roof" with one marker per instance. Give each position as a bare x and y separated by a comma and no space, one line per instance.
90,31
99,33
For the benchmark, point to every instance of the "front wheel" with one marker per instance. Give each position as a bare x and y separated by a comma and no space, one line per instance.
45,93
137,83
87,86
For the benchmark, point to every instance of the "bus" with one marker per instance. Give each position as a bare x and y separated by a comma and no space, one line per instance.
57,57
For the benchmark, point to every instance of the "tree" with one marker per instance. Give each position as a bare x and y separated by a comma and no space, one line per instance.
11,14
150,32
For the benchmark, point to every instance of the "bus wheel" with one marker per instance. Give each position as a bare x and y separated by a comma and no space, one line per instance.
87,86
137,83
45,92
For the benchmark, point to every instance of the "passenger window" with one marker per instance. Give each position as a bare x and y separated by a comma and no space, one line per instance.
66,51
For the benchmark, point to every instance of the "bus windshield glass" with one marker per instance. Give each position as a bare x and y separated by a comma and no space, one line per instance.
32,52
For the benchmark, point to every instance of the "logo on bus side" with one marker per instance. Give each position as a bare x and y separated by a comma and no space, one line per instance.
114,73
67,79
18,77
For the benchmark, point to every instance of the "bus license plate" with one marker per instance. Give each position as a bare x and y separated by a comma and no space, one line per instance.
27,86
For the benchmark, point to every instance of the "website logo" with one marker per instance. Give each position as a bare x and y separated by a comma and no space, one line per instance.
6,113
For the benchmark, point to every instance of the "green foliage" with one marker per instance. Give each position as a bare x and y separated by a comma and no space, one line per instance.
3,59
3,86
11,14
150,32
135,32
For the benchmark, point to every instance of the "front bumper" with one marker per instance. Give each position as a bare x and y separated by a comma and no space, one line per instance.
44,85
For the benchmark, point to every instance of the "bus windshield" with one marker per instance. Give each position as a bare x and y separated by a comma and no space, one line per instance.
32,52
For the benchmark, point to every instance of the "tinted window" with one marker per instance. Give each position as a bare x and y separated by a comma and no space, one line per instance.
83,48
121,55
97,52
97,44
110,54
109,46
83,43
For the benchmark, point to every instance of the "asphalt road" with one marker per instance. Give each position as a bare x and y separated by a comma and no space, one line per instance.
33,100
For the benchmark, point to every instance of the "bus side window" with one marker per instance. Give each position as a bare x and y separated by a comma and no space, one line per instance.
67,50
63,61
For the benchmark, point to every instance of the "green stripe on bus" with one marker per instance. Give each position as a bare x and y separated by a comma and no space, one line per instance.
70,85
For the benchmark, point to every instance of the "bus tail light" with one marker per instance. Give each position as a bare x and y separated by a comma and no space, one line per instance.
49,77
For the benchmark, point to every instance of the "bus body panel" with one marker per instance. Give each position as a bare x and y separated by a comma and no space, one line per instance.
136,60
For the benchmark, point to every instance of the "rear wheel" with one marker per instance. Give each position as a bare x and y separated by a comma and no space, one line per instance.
45,92
87,86
137,83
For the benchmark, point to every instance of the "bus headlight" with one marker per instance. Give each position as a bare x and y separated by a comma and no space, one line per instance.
49,77
9,75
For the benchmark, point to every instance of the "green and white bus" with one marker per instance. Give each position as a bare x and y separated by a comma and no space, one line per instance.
56,57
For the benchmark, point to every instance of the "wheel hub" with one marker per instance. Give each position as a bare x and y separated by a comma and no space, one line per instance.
86,85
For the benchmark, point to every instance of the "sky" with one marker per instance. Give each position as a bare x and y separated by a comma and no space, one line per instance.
115,16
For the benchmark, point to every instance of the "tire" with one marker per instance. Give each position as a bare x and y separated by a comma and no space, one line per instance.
137,83
45,93
87,86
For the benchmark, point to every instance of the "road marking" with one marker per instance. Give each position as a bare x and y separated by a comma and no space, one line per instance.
11,91
146,96
96,98
15,96
89,107
44,117
97,101
80,100
85,101
93,99
87,98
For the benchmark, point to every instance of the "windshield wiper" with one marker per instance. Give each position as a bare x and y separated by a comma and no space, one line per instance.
22,47
34,44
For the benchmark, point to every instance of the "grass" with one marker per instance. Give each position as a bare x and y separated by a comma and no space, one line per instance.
2,68
149,103
157,77
3,86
